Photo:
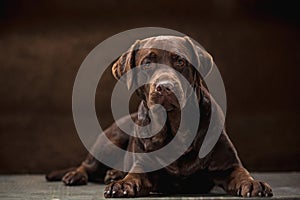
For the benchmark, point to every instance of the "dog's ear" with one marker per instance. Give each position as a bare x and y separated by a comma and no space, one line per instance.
200,57
126,62
203,62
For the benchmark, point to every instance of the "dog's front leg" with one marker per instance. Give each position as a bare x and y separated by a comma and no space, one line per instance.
240,183
90,169
133,185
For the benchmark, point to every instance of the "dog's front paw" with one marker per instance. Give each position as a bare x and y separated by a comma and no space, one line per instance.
130,186
253,188
113,175
75,178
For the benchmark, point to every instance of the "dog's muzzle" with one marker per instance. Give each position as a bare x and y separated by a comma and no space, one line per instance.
164,87
167,91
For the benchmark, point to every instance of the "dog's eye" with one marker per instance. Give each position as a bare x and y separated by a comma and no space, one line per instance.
180,62
146,62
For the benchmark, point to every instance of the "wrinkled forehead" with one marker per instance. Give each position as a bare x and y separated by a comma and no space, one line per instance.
173,44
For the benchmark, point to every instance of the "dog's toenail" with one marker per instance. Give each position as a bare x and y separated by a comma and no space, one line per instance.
125,192
259,194
248,194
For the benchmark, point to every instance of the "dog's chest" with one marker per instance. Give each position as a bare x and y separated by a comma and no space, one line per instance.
185,166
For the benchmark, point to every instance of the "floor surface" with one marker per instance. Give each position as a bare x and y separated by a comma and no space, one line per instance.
285,186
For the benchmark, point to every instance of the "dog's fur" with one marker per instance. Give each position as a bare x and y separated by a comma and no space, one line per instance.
189,173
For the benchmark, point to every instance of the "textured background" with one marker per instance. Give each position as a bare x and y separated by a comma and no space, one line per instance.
255,44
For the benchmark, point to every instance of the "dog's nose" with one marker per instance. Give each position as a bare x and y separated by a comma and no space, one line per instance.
164,86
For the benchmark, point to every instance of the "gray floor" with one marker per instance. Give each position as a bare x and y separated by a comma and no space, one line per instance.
285,186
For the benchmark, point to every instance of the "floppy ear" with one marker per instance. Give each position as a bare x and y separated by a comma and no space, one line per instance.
204,64
201,58
125,63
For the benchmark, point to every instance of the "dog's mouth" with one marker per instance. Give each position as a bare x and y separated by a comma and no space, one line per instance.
165,93
169,102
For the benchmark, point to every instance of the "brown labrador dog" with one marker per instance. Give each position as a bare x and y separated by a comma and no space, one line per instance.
189,174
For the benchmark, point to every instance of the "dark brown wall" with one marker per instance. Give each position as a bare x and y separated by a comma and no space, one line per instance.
42,44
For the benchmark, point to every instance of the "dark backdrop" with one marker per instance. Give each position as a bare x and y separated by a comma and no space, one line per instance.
255,44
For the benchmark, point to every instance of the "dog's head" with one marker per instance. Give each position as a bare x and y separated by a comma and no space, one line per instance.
166,56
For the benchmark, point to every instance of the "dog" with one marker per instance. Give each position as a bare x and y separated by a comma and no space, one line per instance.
189,174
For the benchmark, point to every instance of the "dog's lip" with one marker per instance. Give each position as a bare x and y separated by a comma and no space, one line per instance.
169,108
167,101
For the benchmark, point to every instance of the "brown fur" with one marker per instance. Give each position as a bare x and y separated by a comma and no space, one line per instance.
189,173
